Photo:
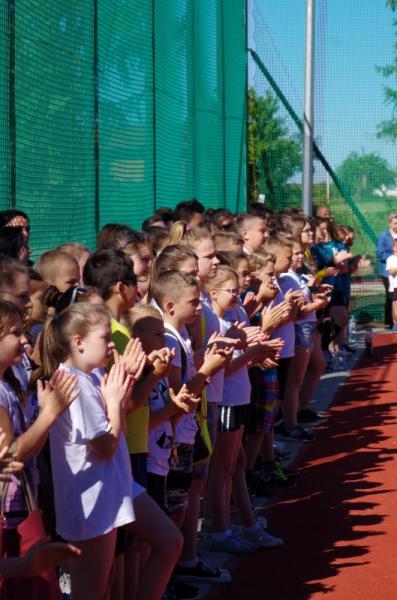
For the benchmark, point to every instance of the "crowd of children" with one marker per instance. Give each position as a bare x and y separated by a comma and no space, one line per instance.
141,385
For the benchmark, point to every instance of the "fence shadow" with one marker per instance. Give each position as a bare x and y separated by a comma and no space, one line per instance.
327,522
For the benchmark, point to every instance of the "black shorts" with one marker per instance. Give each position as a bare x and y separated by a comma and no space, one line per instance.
231,418
139,468
177,491
337,299
392,296
282,374
156,488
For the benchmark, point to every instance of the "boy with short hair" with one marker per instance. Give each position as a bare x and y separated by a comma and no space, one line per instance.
178,296
59,269
253,231
147,324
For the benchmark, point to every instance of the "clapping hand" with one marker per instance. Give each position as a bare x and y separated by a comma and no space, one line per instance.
116,386
267,291
269,353
57,394
215,359
161,361
184,400
273,316
236,332
133,358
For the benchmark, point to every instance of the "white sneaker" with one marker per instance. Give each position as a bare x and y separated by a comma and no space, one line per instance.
233,544
261,538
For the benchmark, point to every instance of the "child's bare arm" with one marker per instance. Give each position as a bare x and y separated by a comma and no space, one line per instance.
54,399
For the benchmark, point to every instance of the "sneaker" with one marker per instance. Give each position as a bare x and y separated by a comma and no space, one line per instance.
309,417
202,572
261,538
282,478
232,545
276,476
298,434
258,485
289,472
277,466
177,590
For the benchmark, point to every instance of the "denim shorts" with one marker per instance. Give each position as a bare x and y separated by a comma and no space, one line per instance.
304,334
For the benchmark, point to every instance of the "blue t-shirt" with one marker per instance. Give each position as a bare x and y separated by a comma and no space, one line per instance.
324,254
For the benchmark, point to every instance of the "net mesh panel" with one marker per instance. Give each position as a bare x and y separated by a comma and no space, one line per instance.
120,107
209,102
235,69
174,97
125,88
5,200
54,120
277,32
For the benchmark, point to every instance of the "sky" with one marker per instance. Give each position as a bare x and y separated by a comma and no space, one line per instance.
352,37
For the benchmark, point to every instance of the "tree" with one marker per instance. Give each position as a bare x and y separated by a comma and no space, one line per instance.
274,156
364,173
388,129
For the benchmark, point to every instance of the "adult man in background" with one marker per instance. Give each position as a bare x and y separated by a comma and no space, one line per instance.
384,250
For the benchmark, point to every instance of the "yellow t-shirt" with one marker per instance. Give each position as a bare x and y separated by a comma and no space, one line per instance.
137,420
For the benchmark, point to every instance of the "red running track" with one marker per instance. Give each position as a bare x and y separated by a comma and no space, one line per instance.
340,523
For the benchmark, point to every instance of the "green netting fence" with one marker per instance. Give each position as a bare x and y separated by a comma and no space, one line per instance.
354,168
112,108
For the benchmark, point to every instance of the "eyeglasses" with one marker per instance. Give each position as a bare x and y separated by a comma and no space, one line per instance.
233,292
308,230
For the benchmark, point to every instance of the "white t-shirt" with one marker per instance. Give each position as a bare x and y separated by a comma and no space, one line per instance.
237,386
214,389
161,436
186,428
391,263
286,331
295,281
92,495
238,313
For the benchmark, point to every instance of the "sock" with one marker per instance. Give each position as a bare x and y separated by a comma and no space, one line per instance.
221,535
189,564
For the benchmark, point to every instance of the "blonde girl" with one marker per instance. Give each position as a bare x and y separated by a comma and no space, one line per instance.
89,457
306,342
228,459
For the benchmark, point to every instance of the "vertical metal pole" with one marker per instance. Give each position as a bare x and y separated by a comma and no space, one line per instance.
307,180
